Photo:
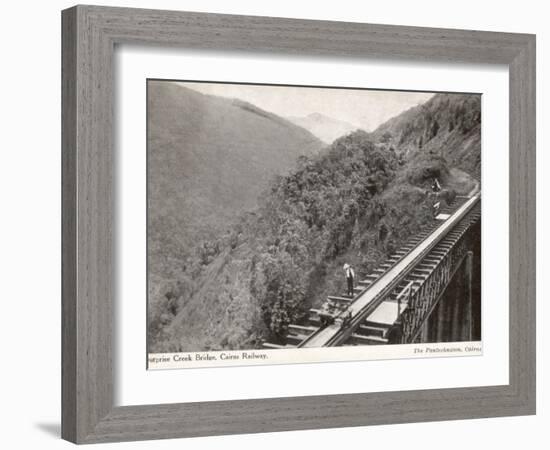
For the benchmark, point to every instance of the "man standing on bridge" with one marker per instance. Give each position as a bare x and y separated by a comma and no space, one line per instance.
350,275
436,186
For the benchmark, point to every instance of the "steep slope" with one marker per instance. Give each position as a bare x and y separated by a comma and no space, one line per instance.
325,128
280,260
208,158
448,126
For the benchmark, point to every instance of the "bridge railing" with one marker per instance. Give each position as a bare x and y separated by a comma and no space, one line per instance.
341,336
405,294
426,297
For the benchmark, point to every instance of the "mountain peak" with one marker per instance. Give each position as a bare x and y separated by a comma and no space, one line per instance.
324,127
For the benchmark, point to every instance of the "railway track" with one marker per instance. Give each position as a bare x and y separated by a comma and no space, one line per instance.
384,295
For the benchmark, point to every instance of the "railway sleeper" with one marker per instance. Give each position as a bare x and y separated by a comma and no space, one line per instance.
422,270
270,345
367,340
372,330
430,260
372,276
420,275
296,339
408,280
295,329
340,299
396,255
454,236
314,321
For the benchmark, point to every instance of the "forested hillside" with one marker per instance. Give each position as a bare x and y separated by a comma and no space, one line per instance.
208,158
448,125
354,202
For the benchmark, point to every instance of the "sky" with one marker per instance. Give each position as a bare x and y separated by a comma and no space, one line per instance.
366,109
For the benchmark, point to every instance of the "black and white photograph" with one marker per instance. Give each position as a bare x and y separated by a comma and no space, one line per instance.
283,218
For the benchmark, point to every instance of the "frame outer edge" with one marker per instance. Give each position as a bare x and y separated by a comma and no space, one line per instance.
523,226
68,224
89,33
87,298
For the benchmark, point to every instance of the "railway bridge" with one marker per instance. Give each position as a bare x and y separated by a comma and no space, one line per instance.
400,301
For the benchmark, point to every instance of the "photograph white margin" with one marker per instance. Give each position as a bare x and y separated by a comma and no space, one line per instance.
135,385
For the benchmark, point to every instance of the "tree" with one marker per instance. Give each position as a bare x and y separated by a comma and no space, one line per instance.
386,137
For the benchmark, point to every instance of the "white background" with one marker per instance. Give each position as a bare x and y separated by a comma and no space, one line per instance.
134,385
30,224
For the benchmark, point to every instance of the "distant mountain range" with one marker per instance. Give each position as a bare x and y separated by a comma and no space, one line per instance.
325,128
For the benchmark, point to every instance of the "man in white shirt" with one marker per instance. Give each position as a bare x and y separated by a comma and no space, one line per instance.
436,187
350,275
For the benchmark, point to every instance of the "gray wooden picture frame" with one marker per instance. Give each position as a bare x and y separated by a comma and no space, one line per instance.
90,34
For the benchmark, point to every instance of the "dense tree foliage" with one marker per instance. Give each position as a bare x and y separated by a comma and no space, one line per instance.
448,124
316,215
